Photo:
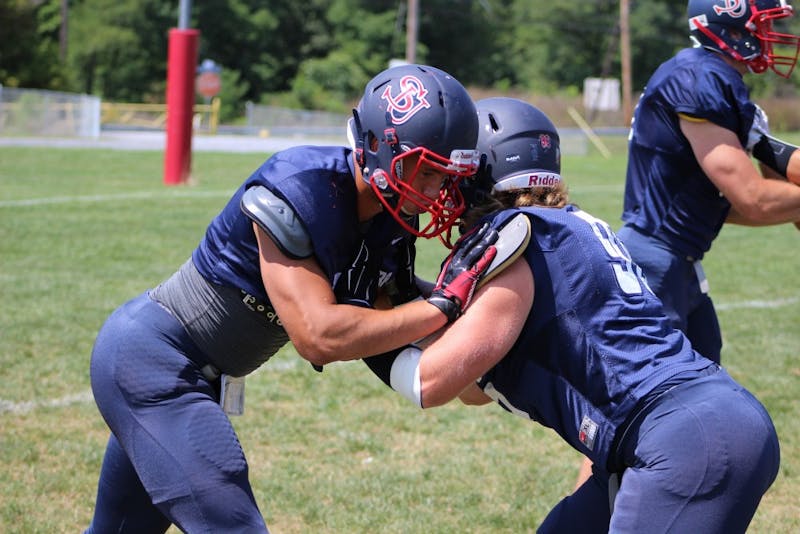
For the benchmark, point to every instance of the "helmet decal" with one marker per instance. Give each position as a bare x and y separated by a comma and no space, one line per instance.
744,30
407,142
408,102
733,8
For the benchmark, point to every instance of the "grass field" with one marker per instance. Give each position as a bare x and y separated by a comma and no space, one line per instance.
81,231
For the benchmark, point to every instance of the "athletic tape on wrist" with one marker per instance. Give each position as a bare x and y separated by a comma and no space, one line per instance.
404,376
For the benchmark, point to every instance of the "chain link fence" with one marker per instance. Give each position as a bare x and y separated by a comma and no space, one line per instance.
39,113
274,121
34,112
270,120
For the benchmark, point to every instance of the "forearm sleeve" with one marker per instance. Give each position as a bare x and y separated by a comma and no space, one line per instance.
774,153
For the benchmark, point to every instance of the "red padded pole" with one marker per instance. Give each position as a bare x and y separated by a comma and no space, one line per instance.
181,65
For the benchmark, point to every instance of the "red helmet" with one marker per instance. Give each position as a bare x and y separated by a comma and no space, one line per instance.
743,30
416,111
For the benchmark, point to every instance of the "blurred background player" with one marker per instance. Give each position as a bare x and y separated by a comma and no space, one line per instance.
571,336
690,170
689,157
300,253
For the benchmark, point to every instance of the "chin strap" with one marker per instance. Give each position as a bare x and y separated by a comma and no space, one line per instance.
756,65
382,177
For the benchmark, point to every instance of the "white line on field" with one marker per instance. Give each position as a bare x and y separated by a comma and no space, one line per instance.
143,195
7,406
150,195
29,406
779,303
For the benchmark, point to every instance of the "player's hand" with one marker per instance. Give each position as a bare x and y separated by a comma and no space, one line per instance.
472,255
759,129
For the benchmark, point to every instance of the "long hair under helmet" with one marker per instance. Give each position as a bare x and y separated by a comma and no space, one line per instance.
415,110
743,30
519,147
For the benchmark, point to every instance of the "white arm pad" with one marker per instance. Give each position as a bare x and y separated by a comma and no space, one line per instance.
404,376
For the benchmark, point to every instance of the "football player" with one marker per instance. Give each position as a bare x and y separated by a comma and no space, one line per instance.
690,170
579,343
694,133
301,253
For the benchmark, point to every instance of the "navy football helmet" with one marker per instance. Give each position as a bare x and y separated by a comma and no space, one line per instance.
519,148
416,112
743,30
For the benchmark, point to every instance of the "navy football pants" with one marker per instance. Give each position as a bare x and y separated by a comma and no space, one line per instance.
173,456
674,280
699,461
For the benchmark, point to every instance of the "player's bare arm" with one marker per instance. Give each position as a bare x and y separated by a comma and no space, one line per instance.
474,396
755,200
323,331
468,348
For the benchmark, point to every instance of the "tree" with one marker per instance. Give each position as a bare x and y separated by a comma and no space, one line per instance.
28,45
658,30
364,40
322,52
464,38
118,49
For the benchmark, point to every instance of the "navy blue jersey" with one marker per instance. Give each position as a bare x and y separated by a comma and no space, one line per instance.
319,184
596,340
667,195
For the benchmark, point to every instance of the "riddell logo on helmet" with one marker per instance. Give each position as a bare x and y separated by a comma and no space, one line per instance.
733,8
408,102
543,180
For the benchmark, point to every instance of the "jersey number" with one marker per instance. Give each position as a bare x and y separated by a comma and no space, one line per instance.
629,276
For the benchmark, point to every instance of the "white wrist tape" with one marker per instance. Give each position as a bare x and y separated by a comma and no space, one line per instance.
404,375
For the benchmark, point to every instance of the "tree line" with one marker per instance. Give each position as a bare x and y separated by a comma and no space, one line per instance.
318,54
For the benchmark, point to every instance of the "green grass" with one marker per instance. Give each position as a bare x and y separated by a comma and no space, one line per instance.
81,231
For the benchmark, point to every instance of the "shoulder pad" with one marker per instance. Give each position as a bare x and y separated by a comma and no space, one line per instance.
513,238
277,218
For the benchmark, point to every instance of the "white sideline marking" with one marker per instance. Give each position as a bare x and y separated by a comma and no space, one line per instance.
779,303
7,406
29,406
144,195
150,195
